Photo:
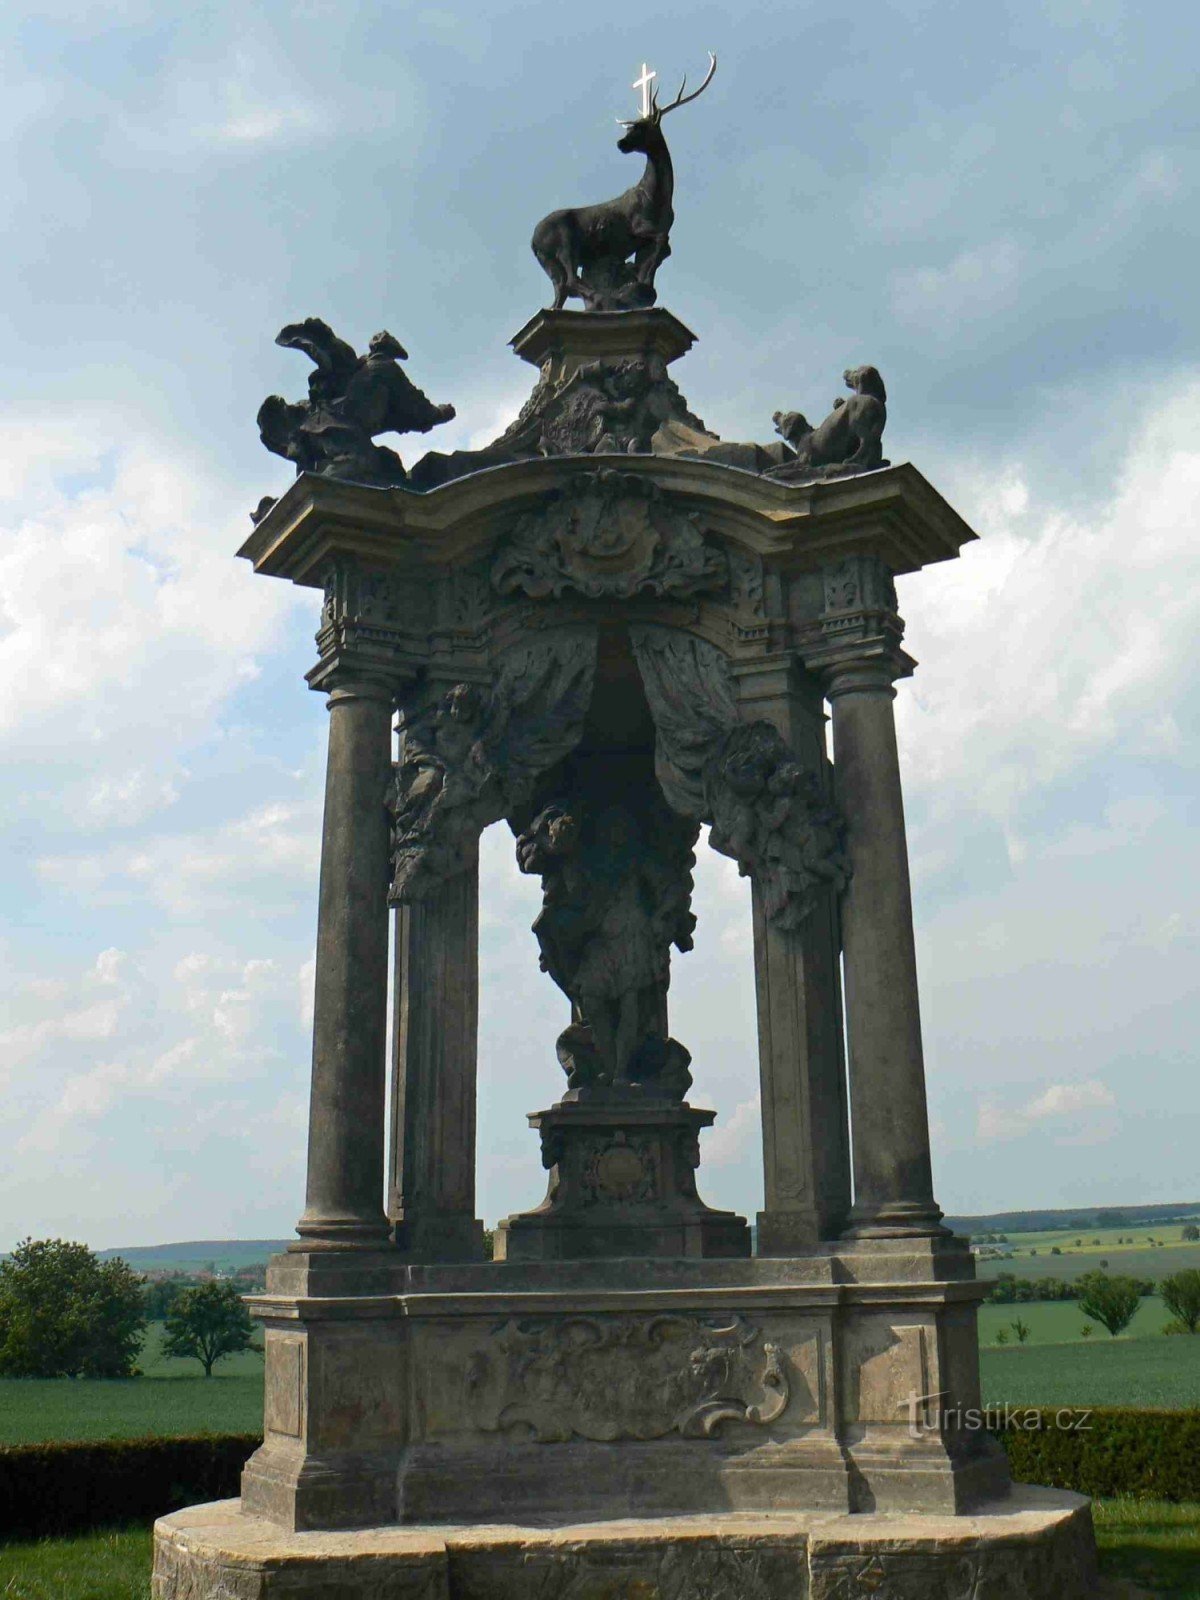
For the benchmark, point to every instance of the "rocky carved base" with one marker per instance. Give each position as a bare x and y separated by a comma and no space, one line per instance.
622,1183
1036,1544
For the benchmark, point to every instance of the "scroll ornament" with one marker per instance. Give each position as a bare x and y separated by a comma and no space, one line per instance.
475,754
611,535
765,811
625,1377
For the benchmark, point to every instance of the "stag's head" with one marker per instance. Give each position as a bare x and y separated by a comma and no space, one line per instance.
644,134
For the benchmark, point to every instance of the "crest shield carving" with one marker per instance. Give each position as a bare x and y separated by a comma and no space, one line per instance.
609,535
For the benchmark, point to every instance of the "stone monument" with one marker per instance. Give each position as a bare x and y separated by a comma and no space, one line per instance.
611,629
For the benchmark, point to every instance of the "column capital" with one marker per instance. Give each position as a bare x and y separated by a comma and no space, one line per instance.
854,645
343,678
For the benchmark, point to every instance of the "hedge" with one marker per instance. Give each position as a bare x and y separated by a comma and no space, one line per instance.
1153,1455
65,1488
61,1487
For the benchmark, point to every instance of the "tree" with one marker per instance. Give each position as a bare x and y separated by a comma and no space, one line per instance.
208,1323
66,1314
1190,1233
1181,1296
1111,1301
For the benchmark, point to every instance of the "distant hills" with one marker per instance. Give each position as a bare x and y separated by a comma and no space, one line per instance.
217,1255
227,1255
1075,1216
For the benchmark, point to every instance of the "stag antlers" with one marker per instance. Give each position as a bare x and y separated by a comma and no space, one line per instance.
657,112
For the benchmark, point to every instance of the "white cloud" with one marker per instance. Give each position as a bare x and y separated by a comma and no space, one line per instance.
1064,1107
977,282
1055,638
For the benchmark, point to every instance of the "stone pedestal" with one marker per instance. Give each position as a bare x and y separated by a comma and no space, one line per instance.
596,1389
1035,1542
622,1183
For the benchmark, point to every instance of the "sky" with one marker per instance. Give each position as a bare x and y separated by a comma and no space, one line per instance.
995,205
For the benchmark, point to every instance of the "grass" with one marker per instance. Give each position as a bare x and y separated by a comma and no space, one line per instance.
1147,1542
1151,1543
174,1397
1100,1371
89,1566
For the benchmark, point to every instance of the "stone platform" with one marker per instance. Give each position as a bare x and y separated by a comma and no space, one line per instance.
1034,1542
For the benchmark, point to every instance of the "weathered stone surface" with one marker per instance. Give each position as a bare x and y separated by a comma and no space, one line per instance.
1037,1543
608,534
622,1167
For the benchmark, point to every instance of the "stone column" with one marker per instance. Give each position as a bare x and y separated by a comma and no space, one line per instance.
435,1039
806,1159
859,661
344,1205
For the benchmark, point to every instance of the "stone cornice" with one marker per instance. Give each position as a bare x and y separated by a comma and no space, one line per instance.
894,514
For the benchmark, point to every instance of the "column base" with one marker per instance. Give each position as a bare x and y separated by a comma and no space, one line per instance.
898,1219
342,1233
443,1236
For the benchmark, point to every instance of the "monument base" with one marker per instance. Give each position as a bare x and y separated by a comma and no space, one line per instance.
1034,1543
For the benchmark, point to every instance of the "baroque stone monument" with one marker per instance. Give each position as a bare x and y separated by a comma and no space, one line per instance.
611,629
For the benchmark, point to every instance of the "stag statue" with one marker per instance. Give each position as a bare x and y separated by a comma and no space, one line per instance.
585,250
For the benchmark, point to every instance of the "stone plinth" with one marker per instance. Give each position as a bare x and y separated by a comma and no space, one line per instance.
622,1183
1033,1542
559,342
586,1390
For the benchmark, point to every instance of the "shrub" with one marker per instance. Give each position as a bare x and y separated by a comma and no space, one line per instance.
1181,1296
1111,1301
60,1488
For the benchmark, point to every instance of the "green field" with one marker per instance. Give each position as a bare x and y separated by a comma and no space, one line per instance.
1096,1372
1031,1253
1062,1322
173,1397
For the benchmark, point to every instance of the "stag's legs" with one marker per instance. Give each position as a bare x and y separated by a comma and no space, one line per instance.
648,257
559,273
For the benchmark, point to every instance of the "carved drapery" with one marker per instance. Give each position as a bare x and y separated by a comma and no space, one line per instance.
764,811
608,534
475,755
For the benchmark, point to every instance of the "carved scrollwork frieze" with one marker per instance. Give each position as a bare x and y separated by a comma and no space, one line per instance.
610,1377
472,755
767,813
372,607
608,535
859,597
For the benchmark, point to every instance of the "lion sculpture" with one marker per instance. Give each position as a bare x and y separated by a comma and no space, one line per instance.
850,437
